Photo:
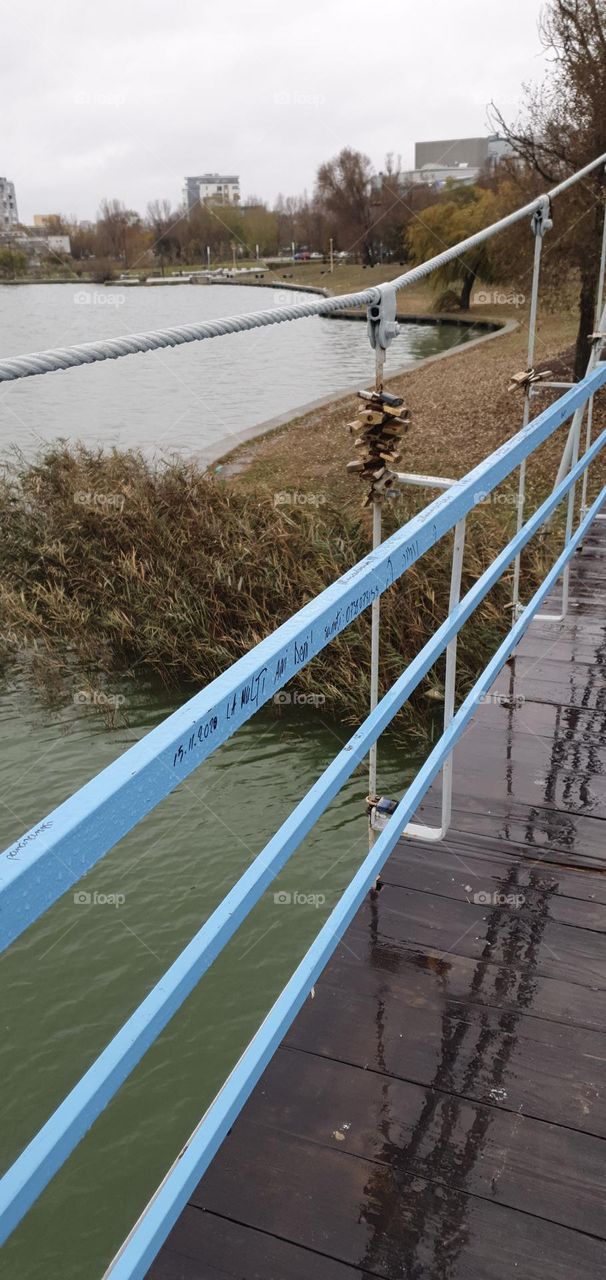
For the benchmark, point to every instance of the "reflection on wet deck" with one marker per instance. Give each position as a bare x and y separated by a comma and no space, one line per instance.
438,1110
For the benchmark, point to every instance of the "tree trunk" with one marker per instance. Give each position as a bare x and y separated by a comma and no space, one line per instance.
586,314
468,283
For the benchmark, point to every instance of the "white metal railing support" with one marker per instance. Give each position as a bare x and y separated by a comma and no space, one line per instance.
569,459
598,312
418,830
540,223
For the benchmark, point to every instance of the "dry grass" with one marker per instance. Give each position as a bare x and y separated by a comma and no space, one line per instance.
111,566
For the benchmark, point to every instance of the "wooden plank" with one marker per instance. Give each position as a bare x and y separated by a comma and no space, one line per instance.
533,831
545,682
493,1056
575,897
381,1219
203,1246
503,1156
414,974
568,725
569,777
507,935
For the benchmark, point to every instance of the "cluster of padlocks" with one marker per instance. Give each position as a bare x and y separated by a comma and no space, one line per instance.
378,429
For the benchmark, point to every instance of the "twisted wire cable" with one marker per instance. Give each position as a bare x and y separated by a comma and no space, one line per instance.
28,366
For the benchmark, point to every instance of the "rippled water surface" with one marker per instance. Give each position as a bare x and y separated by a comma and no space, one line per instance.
193,397
72,979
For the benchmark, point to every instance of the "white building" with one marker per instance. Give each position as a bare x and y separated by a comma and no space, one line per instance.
59,244
211,188
460,160
8,205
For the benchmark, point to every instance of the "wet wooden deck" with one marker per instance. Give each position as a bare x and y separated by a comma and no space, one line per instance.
438,1110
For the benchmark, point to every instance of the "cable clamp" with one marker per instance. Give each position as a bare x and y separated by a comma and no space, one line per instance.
381,319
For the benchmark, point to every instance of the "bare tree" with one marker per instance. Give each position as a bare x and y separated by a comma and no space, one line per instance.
561,128
344,189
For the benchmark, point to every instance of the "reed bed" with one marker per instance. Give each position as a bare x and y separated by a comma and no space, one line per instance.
114,566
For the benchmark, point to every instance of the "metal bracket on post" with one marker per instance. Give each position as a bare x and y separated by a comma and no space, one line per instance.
540,222
382,325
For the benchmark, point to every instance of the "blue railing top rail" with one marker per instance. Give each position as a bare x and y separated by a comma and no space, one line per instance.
37,868
28,366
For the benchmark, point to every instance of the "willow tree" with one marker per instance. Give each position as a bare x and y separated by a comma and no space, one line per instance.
459,213
561,127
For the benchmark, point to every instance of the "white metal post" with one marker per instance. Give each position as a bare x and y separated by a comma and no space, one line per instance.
540,223
598,313
418,830
569,459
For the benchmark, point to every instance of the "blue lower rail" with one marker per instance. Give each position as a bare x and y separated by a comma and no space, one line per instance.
51,857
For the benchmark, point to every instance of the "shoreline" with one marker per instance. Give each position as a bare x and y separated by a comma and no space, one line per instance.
212,457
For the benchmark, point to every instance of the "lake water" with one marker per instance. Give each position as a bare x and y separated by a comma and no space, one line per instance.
195,397
71,980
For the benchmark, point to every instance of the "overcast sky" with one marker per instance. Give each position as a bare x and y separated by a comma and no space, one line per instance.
123,98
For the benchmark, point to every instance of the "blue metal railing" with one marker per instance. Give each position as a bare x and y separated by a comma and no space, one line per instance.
51,857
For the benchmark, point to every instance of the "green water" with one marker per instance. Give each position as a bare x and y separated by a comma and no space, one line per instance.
73,978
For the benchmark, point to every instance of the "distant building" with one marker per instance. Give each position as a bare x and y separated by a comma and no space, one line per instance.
59,244
211,188
8,205
42,219
459,160
36,246
452,153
